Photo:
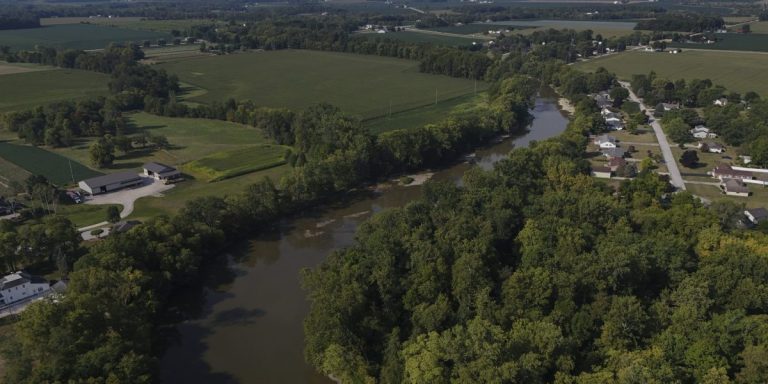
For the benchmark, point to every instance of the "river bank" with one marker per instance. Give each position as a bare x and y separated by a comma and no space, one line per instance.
250,326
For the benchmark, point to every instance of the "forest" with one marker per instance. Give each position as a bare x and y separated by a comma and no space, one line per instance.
534,272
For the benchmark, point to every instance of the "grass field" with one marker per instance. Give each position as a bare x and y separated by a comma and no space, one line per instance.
41,162
469,29
83,215
732,42
10,173
190,140
759,27
605,28
737,71
420,116
236,162
15,68
432,38
361,85
78,36
34,88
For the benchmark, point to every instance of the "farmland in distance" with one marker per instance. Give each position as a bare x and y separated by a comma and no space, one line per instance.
37,85
76,36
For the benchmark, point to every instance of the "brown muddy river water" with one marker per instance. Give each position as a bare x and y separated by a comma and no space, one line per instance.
250,326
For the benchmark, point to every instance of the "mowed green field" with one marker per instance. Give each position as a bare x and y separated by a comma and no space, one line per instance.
35,87
366,86
37,161
77,36
737,71
236,162
190,140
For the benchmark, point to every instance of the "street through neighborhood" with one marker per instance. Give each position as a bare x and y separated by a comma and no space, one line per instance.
669,159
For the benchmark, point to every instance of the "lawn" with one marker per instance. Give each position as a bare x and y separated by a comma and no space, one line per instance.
360,85
35,87
732,42
77,36
758,199
236,162
84,214
56,168
190,140
736,71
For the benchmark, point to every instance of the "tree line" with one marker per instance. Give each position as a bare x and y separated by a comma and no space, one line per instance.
682,22
18,21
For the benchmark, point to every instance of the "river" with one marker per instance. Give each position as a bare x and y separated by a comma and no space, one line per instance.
249,329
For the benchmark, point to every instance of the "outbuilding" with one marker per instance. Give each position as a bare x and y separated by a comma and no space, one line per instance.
110,183
601,172
159,171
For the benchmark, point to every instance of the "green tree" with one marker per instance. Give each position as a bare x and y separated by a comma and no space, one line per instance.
678,130
689,159
113,214
102,152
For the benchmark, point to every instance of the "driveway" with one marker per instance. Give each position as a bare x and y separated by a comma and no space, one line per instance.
127,197
674,172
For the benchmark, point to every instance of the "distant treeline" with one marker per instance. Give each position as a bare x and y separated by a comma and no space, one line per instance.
473,13
18,21
682,22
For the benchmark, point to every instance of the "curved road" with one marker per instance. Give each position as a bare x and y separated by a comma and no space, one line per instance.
669,159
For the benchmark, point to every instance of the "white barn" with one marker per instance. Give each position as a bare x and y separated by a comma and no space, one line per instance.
159,171
19,286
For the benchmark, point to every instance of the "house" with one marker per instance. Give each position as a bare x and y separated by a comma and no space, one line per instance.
745,159
614,163
721,102
734,187
603,100
757,215
712,147
606,112
19,286
110,183
601,172
670,106
159,171
614,152
702,132
606,142
725,171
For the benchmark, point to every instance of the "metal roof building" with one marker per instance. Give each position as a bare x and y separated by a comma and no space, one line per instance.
111,182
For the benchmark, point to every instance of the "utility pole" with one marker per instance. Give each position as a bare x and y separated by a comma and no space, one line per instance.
70,170
435,96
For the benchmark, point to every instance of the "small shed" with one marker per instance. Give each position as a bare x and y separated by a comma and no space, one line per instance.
159,171
601,172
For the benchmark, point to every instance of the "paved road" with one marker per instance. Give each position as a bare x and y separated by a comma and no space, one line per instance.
674,172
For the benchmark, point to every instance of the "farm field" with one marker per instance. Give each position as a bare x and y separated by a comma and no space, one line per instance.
36,87
128,22
422,36
759,27
77,36
172,53
56,168
227,164
190,140
605,28
476,28
736,71
10,173
360,85
14,68
421,116
732,42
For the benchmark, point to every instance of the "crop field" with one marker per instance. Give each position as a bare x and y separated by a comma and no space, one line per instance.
34,88
14,68
128,22
77,36
232,163
190,140
736,71
759,27
58,169
732,42
172,53
366,86
10,174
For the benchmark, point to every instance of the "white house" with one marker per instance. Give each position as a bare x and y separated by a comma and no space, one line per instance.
702,132
19,286
606,142
159,171
712,147
721,102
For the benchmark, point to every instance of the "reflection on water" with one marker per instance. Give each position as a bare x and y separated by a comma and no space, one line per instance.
250,328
